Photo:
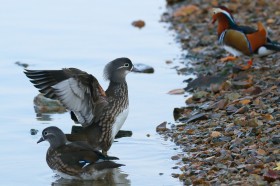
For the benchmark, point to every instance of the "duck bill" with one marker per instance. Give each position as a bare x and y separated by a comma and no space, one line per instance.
134,69
214,18
40,140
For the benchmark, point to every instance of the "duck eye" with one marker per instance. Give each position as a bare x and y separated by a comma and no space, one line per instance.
126,65
45,133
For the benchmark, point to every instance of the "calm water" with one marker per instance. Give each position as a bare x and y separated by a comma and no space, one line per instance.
86,34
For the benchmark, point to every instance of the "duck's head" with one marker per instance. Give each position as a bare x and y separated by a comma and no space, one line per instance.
117,69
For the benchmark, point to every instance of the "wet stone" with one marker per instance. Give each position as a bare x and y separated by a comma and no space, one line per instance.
231,109
218,128
46,105
242,84
252,132
176,157
161,127
198,95
143,68
196,117
275,139
33,131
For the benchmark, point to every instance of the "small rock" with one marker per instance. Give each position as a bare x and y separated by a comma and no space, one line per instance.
185,11
46,105
198,95
196,117
254,122
242,166
139,23
176,157
218,128
161,127
215,134
168,62
220,104
143,68
231,109
232,96
240,121
33,131
242,84
261,152
215,88
253,90
275,139
174,175
242,110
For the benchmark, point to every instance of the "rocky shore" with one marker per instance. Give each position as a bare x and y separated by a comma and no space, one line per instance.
229,129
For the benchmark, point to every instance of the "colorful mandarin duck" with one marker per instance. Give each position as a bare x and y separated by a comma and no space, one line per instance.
242,40
101,113
75,160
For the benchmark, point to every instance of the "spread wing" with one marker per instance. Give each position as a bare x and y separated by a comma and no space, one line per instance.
77,90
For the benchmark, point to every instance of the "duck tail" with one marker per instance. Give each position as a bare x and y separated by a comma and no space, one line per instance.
272,45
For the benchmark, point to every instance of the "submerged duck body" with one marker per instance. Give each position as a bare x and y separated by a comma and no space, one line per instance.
75,160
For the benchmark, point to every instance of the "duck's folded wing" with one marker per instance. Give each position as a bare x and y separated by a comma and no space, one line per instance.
77,90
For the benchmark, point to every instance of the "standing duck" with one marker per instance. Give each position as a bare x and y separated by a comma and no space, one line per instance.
242,40
101,113
75,160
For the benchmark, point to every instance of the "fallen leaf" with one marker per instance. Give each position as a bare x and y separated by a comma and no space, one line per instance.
245,101
176,91
271,175
267,117
277,166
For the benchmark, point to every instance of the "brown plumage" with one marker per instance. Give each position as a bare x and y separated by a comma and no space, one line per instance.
242,40
76,160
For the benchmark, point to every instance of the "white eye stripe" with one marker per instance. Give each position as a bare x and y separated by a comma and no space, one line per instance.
124,66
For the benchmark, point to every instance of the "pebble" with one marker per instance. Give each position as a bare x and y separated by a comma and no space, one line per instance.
33,131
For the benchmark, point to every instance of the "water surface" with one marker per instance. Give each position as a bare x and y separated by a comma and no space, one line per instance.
86,34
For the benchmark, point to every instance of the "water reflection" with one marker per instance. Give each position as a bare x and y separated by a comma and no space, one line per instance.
43,117
114,178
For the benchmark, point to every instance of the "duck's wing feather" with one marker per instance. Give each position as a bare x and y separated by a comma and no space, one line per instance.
80,154
77,90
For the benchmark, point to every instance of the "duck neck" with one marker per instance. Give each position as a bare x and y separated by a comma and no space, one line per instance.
117,89
224,23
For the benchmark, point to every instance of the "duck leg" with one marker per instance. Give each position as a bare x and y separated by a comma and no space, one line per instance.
228,58
249,64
